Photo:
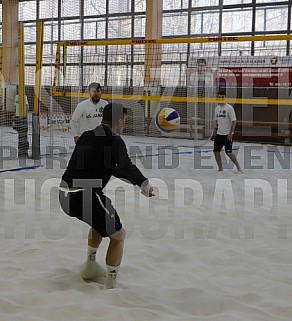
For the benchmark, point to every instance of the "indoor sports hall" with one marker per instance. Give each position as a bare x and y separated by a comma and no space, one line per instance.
212,245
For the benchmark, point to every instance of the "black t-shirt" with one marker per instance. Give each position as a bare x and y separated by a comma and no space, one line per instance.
98,155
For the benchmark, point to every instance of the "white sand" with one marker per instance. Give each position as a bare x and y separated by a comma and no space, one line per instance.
219,250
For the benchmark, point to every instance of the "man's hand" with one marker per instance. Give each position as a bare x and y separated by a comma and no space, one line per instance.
230,136
76,139
147,190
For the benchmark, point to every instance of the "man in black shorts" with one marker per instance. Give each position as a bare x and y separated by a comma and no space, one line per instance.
225,123
100,154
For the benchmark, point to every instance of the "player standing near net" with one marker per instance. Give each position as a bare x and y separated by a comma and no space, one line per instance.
88,114
21,126
225,119
98,155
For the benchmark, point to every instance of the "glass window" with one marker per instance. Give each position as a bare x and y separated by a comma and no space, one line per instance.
174,24
175,4
119,27
70,8
196,23
94,29
273,48
29,75
94,54
139,5
270,19
236,48
48,9
47,76
29,54
30,32
268,1
27,10
236,21
139,26
210,22
70,30
50,31
95,73
48,54
205,3
227,2
118,6
171,75
94,7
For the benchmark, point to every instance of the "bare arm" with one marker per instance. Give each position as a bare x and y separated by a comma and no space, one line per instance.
231,132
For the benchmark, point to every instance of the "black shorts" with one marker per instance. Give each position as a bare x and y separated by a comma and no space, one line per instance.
93,208
220,141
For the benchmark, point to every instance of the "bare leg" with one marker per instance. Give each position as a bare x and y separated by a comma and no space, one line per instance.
114,258
234,160
218,160
94,238
115,249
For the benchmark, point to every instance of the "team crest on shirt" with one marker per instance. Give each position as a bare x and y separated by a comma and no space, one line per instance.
100,112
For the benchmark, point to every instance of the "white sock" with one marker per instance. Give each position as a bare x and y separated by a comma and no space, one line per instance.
111,277
91,269
91,253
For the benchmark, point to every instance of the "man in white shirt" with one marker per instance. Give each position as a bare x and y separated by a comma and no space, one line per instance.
21,125
88,114
225,119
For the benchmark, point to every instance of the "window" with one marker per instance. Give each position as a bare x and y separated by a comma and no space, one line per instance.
227,2
30,32
94,7
119,27
175,4
139,5
204,3
139,26
94,29
70,8
236,21
27,10
70,30
175,24
118,6
271,19
48,9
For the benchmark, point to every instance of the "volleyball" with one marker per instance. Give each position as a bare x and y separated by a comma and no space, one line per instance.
167,119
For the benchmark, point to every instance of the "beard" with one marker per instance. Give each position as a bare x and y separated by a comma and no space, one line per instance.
95,99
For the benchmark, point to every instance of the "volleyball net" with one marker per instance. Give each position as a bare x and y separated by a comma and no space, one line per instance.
181,73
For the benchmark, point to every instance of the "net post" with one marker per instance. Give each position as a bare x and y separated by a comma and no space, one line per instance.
37,92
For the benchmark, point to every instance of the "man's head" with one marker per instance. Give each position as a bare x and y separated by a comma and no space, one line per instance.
221,97
114,115
94,90
201,62
221,94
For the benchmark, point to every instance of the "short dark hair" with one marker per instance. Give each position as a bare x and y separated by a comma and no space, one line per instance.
94,85
221,92
112,112
201,61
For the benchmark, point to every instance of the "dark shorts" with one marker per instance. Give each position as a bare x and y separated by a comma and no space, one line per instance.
95,209
220,141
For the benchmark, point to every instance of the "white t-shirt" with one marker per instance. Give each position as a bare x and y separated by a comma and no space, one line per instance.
225,115
16,104
86,116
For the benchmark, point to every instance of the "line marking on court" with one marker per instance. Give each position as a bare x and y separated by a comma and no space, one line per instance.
17,169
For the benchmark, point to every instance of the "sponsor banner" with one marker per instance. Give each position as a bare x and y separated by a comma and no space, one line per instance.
241,71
